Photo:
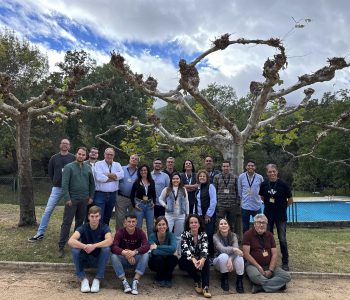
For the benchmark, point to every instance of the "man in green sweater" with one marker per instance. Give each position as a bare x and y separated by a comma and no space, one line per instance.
78,187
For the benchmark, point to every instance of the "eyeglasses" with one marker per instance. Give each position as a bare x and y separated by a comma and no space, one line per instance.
260,222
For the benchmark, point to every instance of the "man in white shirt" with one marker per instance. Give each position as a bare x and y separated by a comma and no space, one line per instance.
107,176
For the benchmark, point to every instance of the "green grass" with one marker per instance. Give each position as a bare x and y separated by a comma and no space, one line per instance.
310,249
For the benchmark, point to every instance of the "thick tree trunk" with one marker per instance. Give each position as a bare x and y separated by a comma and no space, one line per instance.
26,196
235,154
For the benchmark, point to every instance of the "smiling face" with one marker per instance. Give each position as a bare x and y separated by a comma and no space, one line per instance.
157,165
223,227
194,224
188,166
134,160
176,180
226,168
250,167
143,172
202,177
260,225
208,162
271,173
109,155
161,227
80,155
130,224
64,146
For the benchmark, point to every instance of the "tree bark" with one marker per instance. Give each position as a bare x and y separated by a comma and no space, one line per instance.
26,196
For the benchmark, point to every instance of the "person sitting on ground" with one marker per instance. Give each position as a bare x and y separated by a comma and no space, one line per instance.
259,249
194,254
228,256
163,246
130,250
91,248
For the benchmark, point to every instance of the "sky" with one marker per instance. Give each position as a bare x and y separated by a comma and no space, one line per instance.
153,35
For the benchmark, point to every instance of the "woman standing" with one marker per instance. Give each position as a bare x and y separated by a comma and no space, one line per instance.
175,200
206,206
143,198
189,180
228,256
163,246
194,253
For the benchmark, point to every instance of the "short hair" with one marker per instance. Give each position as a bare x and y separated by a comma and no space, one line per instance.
160,218
212,158
82,148
109,148
200,221
260,216
271,166
205,172
170,158
226,162
157,159
250,161
94,210
130,216
93,148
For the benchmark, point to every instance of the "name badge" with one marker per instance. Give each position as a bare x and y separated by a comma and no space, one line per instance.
129,180
226,191
265,253
272,200
250,192
144,198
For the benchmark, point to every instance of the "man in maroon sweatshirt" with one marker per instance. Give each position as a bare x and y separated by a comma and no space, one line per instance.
130,250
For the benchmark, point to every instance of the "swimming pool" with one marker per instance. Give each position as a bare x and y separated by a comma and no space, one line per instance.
318,211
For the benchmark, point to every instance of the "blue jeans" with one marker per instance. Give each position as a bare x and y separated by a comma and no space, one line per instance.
55,196
146,211
119,263
106,201
246,217
282,237
83,260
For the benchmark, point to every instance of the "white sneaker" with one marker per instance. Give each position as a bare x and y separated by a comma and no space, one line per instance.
85,287
126,286
95,286
134,290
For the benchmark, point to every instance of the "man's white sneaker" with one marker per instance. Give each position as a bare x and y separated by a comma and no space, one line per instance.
126,286
134,285
85,287
95,286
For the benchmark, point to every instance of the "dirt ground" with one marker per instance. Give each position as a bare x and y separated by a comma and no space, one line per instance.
34,284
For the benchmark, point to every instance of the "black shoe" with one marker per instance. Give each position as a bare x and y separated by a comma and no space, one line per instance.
36,238
224,282
257,289
285,267
239,284
60,253
283,288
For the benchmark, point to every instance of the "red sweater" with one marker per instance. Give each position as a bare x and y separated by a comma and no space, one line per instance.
125,241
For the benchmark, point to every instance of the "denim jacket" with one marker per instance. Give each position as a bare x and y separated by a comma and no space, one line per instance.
170,202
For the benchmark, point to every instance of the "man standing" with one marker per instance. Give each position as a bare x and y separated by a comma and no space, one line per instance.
277,196
228,200
91,248
161,181
107,176
130,250
248,189
78,187
93,157
170,163
209,167
259,249
56,164
123,205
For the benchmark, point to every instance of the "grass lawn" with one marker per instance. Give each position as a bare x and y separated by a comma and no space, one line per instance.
310,249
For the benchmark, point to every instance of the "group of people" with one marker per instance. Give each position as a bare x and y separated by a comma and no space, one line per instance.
200,218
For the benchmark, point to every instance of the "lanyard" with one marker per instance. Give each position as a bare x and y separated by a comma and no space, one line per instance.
109,167
145,186
131,174
250,183
188,180
261,241
228,181
175,196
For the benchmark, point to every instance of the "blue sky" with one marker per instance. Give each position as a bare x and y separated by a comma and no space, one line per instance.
154,34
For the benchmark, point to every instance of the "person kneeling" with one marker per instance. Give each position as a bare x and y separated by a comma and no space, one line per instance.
130,250
259,249
90,247
228,256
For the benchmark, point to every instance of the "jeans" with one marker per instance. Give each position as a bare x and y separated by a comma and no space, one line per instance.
220,263
188,266
246,217
55,196
163,265
77,210
83,260
106,201
178,224
146,211
282,237
119,263
273,284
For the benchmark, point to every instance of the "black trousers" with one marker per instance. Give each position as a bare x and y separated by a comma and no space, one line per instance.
159,211
188,266
163,265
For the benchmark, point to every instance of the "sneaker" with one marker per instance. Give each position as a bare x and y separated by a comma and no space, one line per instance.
60,253
168,283
198,287
126,286
283,288
257,289
206,292
95,286
134,290
285,267
85,287
36,238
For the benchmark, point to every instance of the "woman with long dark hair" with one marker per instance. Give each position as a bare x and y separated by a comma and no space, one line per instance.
228,256
174,199
163,246
189,179
143,197
194,253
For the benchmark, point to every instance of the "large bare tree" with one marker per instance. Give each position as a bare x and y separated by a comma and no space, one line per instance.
227,138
